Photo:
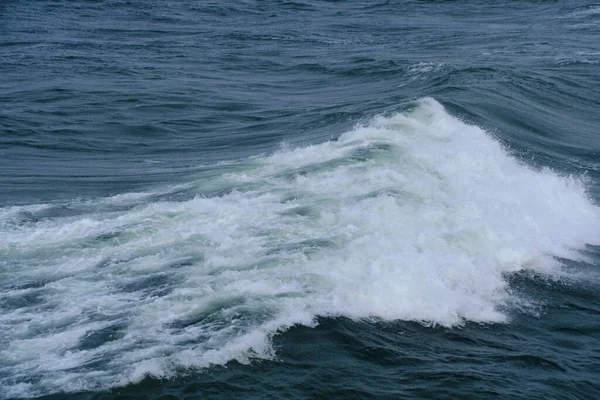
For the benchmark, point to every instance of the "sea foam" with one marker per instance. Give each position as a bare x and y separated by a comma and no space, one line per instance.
415,217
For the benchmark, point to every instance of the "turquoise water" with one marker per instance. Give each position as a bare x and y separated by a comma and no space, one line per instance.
313,199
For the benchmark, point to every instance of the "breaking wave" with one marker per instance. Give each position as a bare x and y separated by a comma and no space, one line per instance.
416,217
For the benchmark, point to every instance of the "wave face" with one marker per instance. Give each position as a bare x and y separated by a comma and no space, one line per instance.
416,216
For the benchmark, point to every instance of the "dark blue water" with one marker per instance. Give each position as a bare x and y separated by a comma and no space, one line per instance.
299,199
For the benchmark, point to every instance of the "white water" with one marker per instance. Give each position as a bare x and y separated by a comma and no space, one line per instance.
414,217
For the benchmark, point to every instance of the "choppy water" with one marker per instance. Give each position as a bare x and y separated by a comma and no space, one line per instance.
275,199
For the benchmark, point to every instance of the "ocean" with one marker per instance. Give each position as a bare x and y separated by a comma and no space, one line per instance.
299,199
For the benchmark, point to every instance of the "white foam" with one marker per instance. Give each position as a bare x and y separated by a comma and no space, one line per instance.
590,11
425,67
415,217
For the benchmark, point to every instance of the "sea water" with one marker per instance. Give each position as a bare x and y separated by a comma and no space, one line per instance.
304,199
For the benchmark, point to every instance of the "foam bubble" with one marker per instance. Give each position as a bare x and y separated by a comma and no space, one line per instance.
416,217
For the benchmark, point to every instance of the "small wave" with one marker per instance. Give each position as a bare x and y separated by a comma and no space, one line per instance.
585,12
425,67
